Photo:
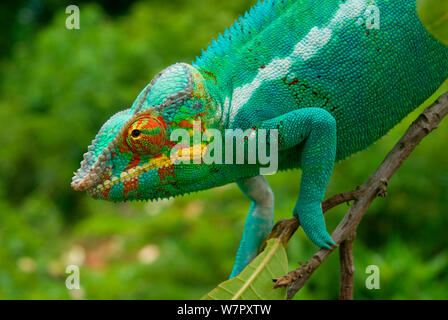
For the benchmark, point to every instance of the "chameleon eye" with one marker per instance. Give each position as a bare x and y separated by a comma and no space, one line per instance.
146,136
135,133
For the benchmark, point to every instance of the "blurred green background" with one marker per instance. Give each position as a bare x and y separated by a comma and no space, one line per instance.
58,86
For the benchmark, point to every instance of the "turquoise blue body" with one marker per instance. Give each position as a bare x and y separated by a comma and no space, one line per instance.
367,79
331,76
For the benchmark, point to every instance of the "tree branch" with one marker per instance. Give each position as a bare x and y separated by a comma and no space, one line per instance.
375,186
347,269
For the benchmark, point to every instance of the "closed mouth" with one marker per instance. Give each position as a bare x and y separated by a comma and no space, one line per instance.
130,174
90,183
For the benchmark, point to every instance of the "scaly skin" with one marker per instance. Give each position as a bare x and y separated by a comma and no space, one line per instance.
309,69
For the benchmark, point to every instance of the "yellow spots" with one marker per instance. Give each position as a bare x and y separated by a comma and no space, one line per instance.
159,162
194,153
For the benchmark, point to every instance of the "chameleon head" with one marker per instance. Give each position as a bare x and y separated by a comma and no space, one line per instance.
131,156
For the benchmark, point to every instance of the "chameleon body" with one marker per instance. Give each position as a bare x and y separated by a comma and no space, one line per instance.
310,69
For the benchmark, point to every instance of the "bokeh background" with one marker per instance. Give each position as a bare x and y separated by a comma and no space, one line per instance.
58,86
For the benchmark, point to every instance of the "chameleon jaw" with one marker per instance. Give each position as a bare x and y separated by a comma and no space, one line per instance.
89,182
130,174
183,154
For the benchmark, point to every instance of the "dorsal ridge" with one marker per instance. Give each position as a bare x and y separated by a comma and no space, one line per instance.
242,30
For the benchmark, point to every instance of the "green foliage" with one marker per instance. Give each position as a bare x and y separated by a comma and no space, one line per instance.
434,15
56,90
255,281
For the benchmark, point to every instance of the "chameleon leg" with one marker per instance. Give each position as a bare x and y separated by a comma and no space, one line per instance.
316,129
259,221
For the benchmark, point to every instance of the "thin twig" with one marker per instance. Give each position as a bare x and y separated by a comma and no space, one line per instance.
344,197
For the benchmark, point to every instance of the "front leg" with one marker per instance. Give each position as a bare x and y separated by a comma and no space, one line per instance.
316,129
259,221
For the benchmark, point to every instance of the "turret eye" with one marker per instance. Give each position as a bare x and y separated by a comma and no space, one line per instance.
136,133
146,135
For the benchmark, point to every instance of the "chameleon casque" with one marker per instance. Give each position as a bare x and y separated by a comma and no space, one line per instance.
310,69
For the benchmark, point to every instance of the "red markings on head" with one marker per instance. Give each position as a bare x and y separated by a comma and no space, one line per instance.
166,172
129,185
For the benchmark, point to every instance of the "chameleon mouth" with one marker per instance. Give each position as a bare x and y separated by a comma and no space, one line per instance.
91,184
130,174
190,154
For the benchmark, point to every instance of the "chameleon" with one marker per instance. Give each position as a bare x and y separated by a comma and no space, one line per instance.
329,77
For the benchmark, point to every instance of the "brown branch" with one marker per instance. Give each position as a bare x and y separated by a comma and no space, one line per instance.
375,186
344,197
347,269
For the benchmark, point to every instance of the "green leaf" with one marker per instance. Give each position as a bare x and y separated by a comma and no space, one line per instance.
255,281
434,15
